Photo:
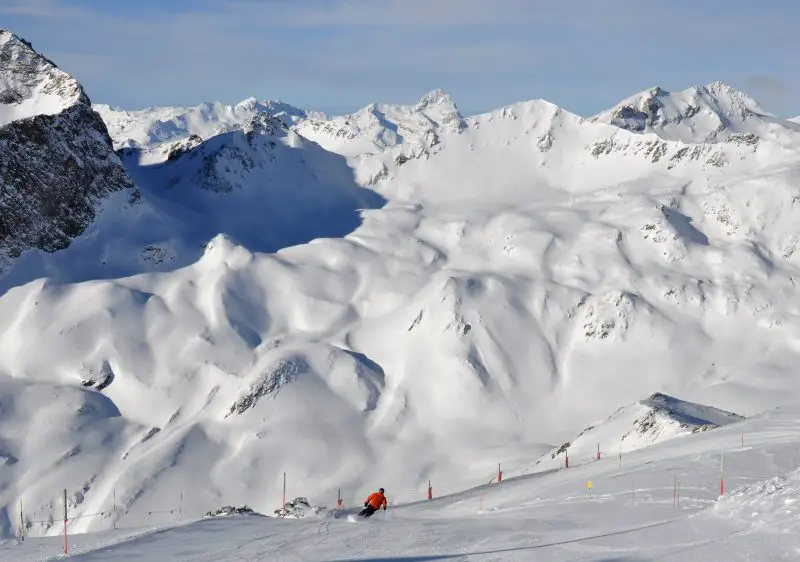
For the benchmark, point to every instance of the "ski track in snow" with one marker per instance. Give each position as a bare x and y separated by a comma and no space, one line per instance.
549,516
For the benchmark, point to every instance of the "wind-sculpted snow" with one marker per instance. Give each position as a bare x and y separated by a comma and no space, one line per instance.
399,294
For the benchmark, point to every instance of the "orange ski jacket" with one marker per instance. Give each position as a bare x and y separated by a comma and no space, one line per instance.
377,500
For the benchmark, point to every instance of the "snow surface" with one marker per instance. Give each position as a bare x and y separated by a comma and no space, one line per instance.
44,89
385,298
47,104
662,503
708,113
156,125
647,422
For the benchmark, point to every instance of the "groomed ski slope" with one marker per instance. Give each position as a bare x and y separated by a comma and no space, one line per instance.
543,516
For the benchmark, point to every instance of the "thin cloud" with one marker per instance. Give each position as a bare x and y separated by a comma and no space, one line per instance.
40,9
324,53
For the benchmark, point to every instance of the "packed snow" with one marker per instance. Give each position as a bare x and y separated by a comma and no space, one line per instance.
662,503
404,295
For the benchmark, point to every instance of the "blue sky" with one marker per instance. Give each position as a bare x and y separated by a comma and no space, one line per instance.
339,55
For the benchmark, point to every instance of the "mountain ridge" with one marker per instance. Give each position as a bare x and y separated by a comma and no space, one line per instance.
715,97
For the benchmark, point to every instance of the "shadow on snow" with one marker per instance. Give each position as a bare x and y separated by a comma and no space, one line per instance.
263,193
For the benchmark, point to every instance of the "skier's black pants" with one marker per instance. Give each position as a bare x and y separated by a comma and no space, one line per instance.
367,511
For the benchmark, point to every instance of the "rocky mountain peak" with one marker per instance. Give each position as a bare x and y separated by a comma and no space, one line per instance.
434,98
707,113
32,84
56,158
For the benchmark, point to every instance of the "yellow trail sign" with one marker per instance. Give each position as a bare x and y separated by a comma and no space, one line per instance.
589,485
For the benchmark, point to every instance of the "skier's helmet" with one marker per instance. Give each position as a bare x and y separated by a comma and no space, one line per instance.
380,490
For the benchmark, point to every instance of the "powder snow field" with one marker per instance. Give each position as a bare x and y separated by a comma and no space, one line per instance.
398,295
632,515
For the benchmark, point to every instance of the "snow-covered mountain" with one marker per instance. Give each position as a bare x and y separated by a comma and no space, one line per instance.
157,125
701,114
655,419
262,184
56,159
383,127
399,294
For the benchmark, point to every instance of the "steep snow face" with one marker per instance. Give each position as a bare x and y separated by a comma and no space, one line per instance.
56,159
710,113
153,126
647,422
30,84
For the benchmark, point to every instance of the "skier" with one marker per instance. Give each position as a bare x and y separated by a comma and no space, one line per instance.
374,503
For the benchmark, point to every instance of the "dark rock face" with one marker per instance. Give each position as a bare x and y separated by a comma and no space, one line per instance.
56,158
269,383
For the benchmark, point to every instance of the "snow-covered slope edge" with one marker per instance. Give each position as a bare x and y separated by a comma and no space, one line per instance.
655,419
56,158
